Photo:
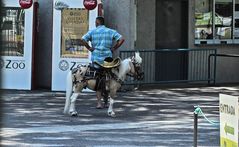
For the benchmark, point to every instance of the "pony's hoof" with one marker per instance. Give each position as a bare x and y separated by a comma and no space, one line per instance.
74,113
111,114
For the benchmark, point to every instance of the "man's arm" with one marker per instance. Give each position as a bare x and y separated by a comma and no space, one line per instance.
118,44
86,45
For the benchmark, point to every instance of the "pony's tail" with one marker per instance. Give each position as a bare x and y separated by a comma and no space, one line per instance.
69,89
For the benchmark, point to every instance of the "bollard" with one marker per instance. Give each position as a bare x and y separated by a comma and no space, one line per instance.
195,129
200,112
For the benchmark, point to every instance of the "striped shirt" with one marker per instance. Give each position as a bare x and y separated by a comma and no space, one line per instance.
102,41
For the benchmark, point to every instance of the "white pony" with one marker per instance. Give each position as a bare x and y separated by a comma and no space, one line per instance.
77,80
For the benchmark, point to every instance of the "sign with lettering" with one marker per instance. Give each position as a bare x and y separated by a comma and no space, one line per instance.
25,4
90,4
69,25
75,23
228,108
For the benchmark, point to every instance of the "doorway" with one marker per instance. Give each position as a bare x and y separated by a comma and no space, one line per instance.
171,33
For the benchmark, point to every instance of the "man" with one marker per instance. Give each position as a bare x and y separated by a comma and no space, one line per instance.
102,41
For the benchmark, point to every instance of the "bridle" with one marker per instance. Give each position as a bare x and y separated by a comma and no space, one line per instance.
138,74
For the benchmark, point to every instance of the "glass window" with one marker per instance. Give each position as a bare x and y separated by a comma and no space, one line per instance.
236,32
203,19
223,19
12,32
75,23
217,21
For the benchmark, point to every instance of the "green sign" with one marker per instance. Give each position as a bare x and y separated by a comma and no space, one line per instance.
229,129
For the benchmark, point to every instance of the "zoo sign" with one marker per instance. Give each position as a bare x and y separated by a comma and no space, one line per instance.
13,64
228,108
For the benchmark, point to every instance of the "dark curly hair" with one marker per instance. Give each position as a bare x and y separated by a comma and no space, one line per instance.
101,20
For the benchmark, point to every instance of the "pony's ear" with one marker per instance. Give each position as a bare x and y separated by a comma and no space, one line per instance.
136,54
138,59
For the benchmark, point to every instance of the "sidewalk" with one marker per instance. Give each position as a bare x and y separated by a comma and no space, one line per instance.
157,117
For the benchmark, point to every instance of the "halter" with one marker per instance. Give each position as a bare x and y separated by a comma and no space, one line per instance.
136,67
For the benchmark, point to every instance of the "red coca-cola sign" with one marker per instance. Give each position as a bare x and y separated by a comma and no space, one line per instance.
25,4
90,4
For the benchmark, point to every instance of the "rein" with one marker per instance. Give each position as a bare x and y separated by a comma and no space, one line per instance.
116,78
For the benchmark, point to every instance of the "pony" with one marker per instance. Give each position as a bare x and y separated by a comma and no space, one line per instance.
77,80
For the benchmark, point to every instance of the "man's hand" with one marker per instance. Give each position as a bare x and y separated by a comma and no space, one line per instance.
113,49
91,49
118,44
83,42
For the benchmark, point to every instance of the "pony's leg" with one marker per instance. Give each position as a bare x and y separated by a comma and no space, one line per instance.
114,86
110,109
111,98
72,109
69,89
99,104
106,100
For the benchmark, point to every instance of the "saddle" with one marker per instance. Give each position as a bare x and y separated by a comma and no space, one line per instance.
100,72
104,73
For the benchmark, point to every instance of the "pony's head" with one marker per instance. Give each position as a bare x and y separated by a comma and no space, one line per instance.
137,61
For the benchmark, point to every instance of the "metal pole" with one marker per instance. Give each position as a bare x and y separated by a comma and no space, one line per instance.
209,70
195,129
215,66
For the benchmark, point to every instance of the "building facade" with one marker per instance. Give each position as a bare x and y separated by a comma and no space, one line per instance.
171,24
157,25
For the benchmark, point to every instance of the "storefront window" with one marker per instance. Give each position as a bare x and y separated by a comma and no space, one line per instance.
216,21
12,32
203,19
75,24
223,15
236,32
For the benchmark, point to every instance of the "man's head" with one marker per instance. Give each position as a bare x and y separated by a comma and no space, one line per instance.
99,21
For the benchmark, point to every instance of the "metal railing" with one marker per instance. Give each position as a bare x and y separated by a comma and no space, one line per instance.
209,64
175,65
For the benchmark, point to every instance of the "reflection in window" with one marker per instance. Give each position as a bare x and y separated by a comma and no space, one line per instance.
203,19
12,32
236,32
223,17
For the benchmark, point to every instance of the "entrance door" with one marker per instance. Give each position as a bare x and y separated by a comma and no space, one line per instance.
69,25
171,33
17,46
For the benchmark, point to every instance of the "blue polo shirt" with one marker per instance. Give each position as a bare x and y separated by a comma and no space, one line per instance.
102,41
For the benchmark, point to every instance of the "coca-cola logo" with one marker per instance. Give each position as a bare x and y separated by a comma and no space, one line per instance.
90,4
25,4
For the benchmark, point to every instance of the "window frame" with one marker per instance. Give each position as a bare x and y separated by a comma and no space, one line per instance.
215,40
11,44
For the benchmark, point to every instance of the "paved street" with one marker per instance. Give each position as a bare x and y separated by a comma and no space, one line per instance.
157,117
